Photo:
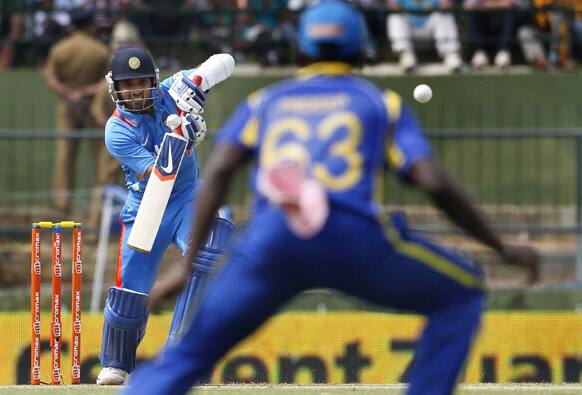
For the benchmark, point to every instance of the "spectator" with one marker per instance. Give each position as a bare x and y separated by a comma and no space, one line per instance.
438,25
125,34
107,13
266,29
374,24
576,28
491,26
545,39
14,18
170,28
216,26
74,71
49,23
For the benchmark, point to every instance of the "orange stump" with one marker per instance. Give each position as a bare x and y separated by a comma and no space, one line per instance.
35,306
77,284
56,300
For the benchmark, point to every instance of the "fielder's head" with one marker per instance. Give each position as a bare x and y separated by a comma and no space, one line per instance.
331,30
133,79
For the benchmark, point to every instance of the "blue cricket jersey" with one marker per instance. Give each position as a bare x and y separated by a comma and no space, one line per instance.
134,140
341,126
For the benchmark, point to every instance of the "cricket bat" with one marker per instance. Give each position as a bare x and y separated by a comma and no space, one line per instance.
153,205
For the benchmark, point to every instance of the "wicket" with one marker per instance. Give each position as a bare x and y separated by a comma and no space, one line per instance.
76,285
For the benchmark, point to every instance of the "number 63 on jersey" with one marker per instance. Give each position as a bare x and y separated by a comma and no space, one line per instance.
328,146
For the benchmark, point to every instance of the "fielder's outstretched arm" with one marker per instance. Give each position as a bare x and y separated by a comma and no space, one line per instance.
429,176
224,160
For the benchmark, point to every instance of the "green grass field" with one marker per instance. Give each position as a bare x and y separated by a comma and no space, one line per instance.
477,389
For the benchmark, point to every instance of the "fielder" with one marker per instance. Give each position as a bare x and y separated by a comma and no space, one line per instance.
133,136
318,140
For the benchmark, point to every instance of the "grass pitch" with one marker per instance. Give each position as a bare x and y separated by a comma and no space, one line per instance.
393,389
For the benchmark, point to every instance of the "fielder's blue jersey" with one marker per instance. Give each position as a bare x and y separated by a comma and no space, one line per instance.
134,140
344,127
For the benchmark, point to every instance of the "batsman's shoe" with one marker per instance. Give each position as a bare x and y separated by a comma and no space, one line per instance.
112,376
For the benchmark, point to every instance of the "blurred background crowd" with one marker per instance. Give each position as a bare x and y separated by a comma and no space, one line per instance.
462,34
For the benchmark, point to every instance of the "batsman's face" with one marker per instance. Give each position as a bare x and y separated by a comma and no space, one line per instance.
136,94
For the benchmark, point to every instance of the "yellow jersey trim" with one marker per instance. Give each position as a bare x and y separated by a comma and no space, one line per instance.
250,133
393,103
432,259
328,68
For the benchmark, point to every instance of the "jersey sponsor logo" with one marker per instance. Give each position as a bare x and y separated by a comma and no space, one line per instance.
145,142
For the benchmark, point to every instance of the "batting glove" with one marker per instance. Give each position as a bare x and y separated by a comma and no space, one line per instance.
187,95
193,128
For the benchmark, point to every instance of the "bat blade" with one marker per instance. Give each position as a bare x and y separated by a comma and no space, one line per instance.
157,193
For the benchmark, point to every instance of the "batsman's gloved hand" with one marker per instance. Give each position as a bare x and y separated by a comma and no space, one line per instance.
193,128
187,95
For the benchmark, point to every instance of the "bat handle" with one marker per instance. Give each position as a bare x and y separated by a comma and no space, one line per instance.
178,129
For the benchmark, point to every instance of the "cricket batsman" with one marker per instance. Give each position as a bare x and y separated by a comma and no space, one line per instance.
317,141
133,136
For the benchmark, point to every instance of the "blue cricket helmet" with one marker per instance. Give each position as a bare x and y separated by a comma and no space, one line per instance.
132,63
129,63
331,22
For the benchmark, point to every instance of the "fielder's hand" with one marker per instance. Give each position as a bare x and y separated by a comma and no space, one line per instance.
525,257
187,95
170,284
193,128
